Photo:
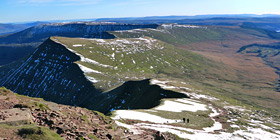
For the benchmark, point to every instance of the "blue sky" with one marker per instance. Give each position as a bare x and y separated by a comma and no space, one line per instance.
42,10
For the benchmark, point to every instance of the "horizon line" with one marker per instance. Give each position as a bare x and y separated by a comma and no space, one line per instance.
53,20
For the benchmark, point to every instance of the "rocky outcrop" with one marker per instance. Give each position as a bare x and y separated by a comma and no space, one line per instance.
15,116
68,122
76,122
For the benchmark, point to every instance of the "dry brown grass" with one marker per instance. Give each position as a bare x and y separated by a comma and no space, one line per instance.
246,76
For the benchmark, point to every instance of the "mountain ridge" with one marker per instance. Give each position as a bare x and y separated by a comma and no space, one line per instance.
41,72
27,40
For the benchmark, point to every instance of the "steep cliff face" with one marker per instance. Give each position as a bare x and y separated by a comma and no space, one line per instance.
51,74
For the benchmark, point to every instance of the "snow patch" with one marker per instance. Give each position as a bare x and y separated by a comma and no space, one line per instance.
188,26
201,96
155,82
88,70
132,128
184,105
100,40
170,26
239,108
93,80
133,61
135,115
78,45
216,125
162,84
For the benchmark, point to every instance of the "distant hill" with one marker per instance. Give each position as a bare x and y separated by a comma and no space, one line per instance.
198,19
8,28
12,28
175,17
17,45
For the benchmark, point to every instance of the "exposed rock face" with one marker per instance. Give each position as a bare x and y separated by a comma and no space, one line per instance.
50,73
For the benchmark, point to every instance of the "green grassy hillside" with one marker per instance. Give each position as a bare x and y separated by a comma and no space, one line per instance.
175,34
124,59
239,76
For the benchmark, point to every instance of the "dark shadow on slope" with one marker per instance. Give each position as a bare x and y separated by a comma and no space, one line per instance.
133,95
49,73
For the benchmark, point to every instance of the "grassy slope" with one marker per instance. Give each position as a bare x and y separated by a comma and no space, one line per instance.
268,52
31,132
251,80
157,59
243,77
175,35
135,59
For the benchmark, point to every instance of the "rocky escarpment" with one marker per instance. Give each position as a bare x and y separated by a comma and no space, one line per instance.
76,29
50,72
20,44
